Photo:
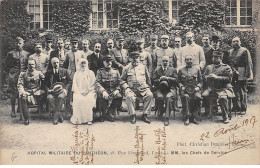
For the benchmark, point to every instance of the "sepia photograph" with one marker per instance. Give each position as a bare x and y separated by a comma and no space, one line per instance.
129,82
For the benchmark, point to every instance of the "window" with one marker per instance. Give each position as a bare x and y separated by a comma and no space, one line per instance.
40,14
112,15
34,11
47,17
171,9
239,12
104,16
175,9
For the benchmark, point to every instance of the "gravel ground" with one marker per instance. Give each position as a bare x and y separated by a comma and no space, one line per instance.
18,140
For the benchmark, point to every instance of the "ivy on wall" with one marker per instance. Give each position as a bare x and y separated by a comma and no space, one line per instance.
203,14
14,21
71,18
141,16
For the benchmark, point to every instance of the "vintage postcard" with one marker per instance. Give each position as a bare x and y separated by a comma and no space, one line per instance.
111,82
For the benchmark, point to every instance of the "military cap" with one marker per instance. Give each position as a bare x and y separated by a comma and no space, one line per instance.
37,43
74,40
218,54
60,40
165,37
120,38
18,39
48,39
154,36
135,54
107,58
215,38
140,40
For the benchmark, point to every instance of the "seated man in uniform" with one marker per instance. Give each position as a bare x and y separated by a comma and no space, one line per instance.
165,80
56,84
190,84
218,77
108,84
29,88
136,82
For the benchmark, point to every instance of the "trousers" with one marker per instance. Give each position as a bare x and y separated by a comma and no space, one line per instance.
131,98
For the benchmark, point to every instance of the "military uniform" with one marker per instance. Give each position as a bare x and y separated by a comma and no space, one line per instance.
137,79
42,61
30,82
166,89
241,62
120,59
196,51
47,51
206,48
209,55
87,53
219,88
72,61
165,52
15,64
176,52
152,51
146,59
190,78
108,80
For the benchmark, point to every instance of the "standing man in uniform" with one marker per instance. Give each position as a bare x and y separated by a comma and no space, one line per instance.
194,50
190,83
145,57
59,53
218,77
95,59
120,55
29,87
243,71
72,64
110,46
85,47
67,46
153,48
165,51
42,60
48,46
176,51
165,80
136,83
16,62
206,43
215,46
108,84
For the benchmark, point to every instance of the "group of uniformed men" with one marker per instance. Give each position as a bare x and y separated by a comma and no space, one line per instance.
192,73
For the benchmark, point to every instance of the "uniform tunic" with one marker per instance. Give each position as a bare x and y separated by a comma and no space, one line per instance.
109,81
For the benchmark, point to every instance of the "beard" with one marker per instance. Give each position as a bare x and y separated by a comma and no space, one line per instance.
189,41
189,64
